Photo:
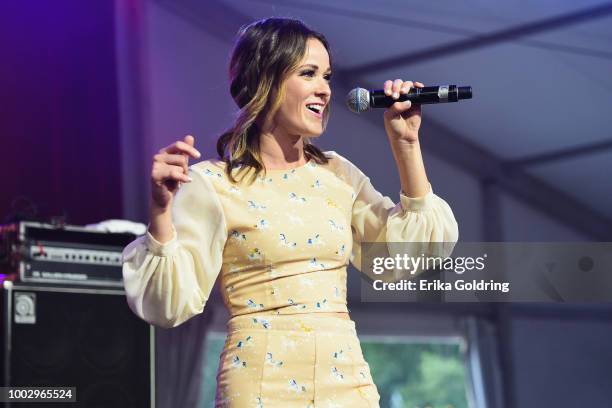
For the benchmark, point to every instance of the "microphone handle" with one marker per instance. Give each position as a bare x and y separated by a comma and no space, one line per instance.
425,95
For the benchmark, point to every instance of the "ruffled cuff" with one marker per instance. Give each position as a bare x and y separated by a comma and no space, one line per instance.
159,249
423,203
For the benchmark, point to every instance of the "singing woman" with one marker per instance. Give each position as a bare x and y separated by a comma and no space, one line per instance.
277,220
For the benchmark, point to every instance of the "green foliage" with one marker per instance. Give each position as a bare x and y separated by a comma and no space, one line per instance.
423,375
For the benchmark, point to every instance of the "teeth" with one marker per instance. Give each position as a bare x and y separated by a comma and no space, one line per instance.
315,107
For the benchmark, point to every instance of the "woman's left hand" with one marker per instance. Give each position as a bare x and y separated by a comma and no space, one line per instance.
402,119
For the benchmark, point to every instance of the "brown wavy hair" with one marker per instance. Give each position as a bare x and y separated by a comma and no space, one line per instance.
265,53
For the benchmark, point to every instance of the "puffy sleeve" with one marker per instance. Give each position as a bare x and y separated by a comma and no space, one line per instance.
426,221
167,284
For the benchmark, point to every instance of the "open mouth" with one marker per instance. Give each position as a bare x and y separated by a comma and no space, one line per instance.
315,108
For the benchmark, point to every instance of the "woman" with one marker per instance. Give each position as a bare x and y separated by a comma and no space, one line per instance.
279,220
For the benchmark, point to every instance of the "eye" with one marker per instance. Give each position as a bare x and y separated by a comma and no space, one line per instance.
311,73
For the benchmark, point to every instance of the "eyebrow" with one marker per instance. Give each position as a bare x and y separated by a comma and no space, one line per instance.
315,67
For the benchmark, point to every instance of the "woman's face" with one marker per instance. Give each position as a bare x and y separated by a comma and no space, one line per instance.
307,94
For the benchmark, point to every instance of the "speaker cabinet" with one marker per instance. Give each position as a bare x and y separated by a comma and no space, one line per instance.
86,338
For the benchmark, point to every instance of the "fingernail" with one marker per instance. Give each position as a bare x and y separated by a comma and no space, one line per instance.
407,103
395,95
198,154
189,178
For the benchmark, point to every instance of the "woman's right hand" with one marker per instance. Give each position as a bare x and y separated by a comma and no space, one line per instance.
170,168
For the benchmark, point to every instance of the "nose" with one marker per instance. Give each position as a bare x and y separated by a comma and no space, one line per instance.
323,89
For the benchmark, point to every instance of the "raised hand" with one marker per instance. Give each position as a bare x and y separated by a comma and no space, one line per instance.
402,119
170,169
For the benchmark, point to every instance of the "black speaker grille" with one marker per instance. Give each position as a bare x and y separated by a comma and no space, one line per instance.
85,340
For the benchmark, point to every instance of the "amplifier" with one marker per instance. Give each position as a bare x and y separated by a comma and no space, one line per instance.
45,253
86,338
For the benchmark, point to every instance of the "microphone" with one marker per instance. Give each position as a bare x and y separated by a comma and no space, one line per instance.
360,100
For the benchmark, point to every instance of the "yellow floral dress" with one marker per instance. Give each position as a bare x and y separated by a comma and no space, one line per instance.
280,247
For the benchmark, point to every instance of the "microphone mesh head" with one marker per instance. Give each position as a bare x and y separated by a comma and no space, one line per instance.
358,100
